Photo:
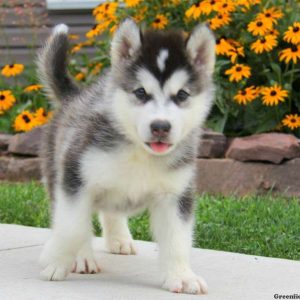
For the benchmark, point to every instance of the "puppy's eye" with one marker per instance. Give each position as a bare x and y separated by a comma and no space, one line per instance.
141,94
182,96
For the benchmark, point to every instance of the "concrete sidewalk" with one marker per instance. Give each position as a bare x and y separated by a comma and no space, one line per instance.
229,275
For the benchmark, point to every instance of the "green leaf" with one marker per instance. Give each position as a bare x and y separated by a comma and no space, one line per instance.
277,70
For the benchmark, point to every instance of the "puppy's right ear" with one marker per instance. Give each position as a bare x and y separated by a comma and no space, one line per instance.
126,42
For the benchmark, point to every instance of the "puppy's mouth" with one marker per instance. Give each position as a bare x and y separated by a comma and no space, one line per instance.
159,147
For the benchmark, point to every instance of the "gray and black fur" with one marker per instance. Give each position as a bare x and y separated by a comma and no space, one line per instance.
124,144
53,69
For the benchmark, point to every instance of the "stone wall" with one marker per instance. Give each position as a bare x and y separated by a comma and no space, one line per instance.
255,164
19,156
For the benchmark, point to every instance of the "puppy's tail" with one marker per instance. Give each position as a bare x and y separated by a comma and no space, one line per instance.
52,66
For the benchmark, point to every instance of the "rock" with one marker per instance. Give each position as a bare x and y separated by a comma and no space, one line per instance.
212,144
19,169
26,143
228,177
4,162
271,147
4,141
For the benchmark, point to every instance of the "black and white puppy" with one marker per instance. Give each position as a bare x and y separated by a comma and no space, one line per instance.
125,144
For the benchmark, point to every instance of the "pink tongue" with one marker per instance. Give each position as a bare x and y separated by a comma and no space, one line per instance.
159,147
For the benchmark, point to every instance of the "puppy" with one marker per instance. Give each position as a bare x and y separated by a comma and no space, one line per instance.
125,144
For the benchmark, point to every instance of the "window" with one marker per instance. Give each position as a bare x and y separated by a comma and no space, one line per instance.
72,4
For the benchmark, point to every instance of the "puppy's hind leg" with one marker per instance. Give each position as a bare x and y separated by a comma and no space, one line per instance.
116,233
72,228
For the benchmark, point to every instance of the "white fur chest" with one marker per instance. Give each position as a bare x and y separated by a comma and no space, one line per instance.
129,179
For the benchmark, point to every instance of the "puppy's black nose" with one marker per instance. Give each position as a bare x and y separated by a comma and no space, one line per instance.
160,128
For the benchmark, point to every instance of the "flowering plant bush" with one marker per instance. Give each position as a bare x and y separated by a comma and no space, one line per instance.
257,72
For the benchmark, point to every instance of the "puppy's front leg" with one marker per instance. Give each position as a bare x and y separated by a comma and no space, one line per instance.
172,223
71,230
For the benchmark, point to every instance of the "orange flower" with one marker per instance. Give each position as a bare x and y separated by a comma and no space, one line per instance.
266,43
246,96
94,31
160,22
202,7
274,32
272,14
219,20
41,117
225,6
194,11
25,121
7,100
33,87
273,95
207,6
230,48
108,8
223,46
289,54
12,70
292,35
238,72
260,27
236,50
291,121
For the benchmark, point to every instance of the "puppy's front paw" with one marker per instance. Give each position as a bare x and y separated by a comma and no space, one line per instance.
55,272
120,245
186,283
85,263
55,263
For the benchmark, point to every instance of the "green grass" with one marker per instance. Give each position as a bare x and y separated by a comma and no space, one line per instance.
258,225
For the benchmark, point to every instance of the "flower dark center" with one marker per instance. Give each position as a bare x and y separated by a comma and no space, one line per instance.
220,17
157,20
212,2
243,93
197,4
294,48
259,24
268,15
2,97
222,38
238,69
262,40
106,7
273,93
295,29
293,120
26,119
11,66
225,5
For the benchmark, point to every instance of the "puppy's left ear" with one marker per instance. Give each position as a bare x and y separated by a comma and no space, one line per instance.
126,42
201,49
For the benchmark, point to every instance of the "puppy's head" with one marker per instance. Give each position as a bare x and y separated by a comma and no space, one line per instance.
163,84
